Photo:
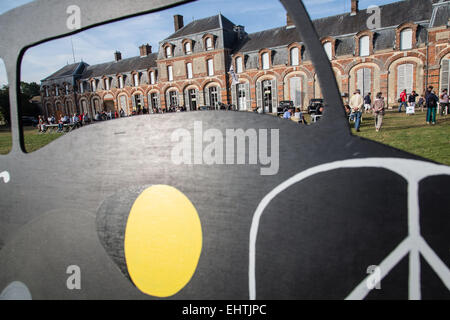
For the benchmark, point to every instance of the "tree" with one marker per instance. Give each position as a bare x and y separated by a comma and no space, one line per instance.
4,104
27,91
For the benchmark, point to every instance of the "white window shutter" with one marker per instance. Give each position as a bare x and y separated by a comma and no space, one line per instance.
445,83
186,100
259,94
248,99
406,39
364,45
328,51
207,97
294,56
234,92
367,81
274,95
159,100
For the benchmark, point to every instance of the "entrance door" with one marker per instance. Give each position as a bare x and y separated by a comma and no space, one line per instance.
267,96
192,99
242,98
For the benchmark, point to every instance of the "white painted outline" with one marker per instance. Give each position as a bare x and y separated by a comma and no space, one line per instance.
6,176
413,171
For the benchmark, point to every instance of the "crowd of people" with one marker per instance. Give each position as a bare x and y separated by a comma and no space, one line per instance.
359,104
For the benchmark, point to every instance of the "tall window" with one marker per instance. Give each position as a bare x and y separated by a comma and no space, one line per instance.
405,78
170,73
189,70
265,60
152,77
210,67
445,78
107,84
168,52
294,57
94,85
327,47
213,97
136,80
56,91
188,48
209,44
364,81
406,39
67,89
82,87
173,98
121,82
46,92
295,86
123,104
154,100
239,66
364,47
242,97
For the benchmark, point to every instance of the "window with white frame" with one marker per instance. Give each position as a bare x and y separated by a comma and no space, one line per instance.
239,66
136,79
295,86
152,77
170,73
364,81
121,82
210,67
94,85
107,84
209,44
327,47
405,73
364,46
188,48
189,70
168,52
265,60
406,39
295,56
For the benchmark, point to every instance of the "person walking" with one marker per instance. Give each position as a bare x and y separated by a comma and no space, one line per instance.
432,102
356,104
402,100
367,103
443,101
378,111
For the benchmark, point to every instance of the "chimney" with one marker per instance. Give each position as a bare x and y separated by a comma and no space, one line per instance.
178,22
117,56
289,22
240,31
355,7
145,50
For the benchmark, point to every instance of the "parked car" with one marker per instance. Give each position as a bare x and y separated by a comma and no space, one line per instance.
315,105
283,105
29,121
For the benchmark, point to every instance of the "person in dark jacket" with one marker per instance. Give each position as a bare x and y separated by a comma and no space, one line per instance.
432,103
367,102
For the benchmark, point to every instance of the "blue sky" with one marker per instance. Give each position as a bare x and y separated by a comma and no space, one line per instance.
97,45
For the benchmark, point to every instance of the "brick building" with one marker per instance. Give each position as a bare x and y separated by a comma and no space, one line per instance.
403,45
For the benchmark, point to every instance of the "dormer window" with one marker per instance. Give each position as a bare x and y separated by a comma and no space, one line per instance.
265,61
94,85
136,79
364,46
56,91
121,82
107,84
188,48
82,87
168,52
46,92
295,54
209,44
406,39
67,89
152,77
328,49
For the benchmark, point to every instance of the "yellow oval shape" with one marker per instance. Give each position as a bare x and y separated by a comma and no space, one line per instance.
163,241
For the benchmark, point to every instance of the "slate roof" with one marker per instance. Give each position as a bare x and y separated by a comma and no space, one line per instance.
203,25
122,66
343,24
66,71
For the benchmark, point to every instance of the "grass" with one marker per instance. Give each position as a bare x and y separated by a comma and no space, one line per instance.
411,133
33,140
405,132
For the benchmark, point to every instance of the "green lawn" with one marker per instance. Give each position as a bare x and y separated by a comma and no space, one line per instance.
411,133
408,133
33,140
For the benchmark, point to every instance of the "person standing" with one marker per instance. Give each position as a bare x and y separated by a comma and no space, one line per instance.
443,101
402,100
356,104
421,102
378,111
367,102
432,102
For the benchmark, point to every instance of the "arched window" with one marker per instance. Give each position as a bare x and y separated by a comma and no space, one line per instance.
170,73
210,67
265,60
405,73
364,81
239,66
406,39
364,46
295,56
189,70
327,48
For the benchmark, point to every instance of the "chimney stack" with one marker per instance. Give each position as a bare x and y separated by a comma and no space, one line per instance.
178,22
289,22
145,50
355,7
117,56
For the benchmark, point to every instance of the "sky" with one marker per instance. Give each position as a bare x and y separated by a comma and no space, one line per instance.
97,45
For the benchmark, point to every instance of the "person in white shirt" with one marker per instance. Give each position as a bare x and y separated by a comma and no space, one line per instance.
356,104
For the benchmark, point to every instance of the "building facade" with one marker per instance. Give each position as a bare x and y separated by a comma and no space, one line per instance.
403,45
